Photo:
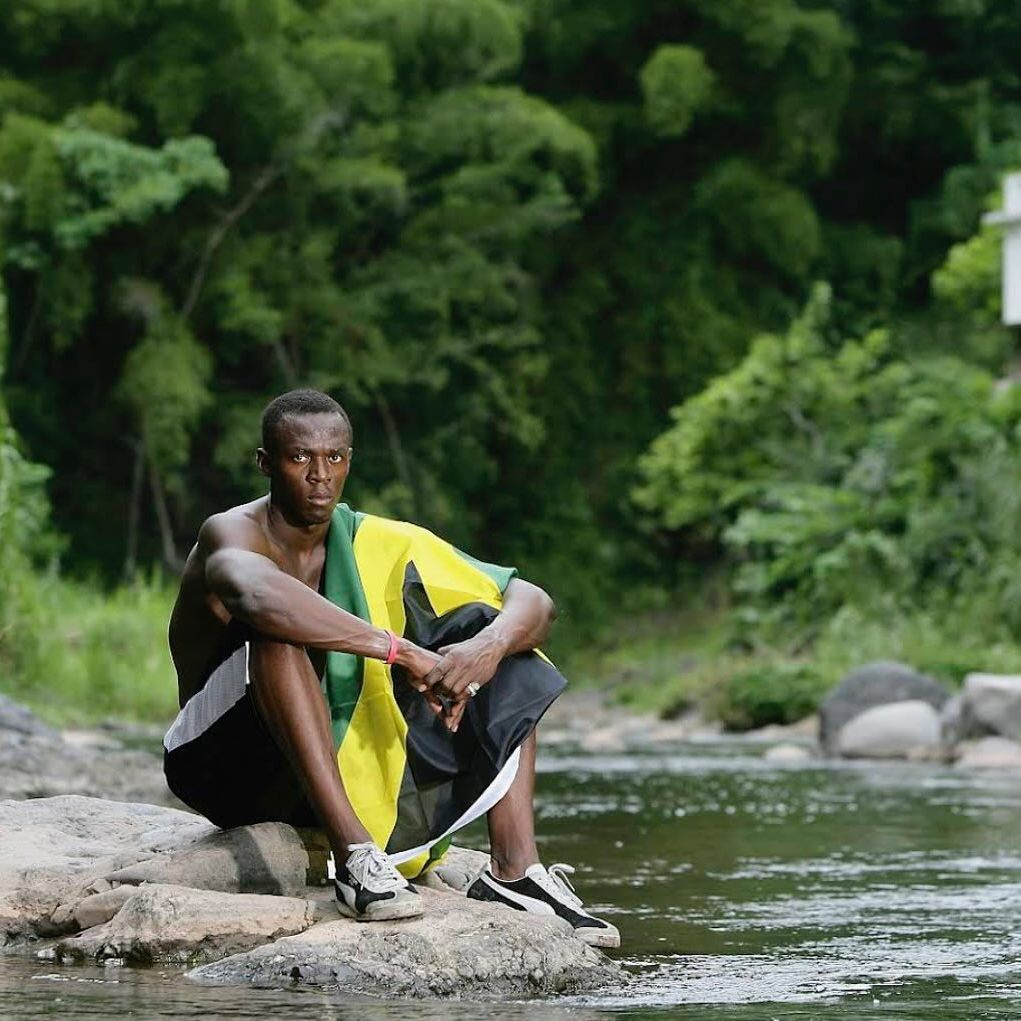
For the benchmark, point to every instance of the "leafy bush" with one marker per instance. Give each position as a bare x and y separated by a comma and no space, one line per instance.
843,474
770,692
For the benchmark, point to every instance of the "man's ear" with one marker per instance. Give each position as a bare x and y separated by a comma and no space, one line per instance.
262,460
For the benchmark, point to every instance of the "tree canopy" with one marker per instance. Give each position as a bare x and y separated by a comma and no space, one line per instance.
508,235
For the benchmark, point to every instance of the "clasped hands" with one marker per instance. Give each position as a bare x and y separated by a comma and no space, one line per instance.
444,677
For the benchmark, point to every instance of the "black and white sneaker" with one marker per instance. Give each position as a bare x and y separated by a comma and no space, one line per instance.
370,889
546,893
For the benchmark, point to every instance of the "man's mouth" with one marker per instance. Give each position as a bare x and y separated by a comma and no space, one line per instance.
320,498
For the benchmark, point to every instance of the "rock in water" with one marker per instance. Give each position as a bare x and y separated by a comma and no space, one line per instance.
457,948
990,704
787,753
989,753
900,730
174,924
874,685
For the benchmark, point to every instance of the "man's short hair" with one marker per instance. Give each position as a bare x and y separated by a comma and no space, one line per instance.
298,402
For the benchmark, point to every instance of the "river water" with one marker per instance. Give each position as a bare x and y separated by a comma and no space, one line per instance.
743,890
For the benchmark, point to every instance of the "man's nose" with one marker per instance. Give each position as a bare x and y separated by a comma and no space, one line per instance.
319,470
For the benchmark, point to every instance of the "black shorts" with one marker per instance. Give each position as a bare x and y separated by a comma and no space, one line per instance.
220,759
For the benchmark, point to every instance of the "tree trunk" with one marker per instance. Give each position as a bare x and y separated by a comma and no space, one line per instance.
171,558
134,512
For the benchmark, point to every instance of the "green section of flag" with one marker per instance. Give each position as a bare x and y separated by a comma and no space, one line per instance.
501,576
343,588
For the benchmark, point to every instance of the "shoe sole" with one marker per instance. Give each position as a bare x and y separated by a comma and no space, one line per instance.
382,911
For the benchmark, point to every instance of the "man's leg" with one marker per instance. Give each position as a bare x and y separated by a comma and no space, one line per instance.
291,704
512,823
513,850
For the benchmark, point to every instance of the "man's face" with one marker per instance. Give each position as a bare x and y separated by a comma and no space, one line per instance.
307,465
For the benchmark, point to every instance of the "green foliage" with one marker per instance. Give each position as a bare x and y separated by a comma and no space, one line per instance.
759,217
676,83
165,380
511,235
67,186
80,654
777,692
842,475
969,281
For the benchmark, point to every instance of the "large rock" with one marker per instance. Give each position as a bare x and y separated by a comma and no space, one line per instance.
268,857
55,852
989,753
990,704
900,730
64,861
36,762
870,686
457,948
174,924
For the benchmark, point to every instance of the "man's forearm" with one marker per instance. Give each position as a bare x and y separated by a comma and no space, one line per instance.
525,621
281,607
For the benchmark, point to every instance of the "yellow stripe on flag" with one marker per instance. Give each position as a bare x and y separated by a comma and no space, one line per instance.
372,756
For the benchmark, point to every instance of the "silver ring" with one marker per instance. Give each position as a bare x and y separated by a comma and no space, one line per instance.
473,688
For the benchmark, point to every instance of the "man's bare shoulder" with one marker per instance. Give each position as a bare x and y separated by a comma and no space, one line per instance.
242,527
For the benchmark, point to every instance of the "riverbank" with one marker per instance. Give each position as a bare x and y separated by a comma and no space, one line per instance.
85,659
692,659
745,889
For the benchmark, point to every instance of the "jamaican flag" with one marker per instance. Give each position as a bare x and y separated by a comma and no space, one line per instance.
412,782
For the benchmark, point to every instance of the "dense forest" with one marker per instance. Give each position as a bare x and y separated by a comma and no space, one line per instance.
632,294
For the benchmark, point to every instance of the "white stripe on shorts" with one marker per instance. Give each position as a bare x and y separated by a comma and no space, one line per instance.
224,689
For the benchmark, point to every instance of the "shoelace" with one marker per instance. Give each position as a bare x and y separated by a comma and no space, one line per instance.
559,873
373,868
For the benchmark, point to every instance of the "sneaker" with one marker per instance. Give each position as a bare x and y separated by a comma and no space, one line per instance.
370,889
546,893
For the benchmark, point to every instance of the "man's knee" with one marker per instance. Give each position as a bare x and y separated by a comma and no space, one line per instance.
267,658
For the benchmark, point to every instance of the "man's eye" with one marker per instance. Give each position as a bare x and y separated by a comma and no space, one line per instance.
336,458
300,457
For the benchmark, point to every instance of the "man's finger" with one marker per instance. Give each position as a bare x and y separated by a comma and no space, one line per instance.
456,712
453,671
435,676
434,703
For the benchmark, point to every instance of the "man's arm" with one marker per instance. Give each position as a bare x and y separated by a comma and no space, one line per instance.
522,625
272,602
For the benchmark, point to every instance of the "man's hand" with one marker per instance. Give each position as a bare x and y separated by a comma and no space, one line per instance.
474,660
419,663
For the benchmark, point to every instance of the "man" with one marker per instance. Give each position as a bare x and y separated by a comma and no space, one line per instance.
309,694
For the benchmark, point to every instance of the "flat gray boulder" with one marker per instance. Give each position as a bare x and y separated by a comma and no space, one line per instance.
65,862
874,685
55,852
990,704
175,924
900,730
458,948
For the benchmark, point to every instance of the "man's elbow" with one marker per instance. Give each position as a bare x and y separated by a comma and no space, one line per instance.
225,579
549,607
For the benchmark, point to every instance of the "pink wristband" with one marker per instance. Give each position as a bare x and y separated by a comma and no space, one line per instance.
391,655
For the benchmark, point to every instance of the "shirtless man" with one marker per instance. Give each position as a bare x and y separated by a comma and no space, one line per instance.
248,636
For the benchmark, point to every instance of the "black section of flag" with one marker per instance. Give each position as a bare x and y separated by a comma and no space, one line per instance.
448,771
